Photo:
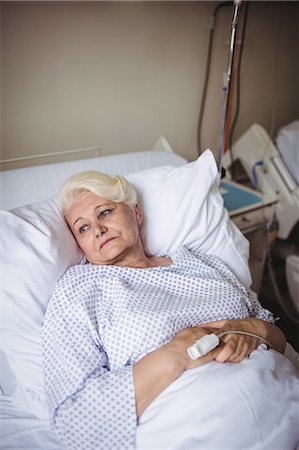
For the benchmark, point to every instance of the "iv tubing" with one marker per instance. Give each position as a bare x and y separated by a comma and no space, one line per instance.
227,87
247,334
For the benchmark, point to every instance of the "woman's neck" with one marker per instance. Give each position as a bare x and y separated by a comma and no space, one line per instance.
150,261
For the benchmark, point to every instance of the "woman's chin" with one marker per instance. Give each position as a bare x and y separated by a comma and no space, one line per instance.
109,254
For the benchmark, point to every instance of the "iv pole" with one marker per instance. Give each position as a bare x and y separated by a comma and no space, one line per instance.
227,84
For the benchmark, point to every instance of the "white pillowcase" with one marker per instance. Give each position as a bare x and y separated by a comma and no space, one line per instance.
182,206
37,248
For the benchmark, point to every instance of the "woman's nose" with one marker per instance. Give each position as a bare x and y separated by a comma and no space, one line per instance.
100,230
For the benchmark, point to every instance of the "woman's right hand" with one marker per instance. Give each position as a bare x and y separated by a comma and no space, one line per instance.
178,346
155,371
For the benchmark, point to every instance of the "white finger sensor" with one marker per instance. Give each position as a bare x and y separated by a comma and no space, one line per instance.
203,346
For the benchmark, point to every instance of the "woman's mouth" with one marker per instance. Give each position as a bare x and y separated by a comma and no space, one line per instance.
106,241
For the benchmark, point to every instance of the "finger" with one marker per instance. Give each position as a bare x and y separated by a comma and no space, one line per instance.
226,351
243,355
245,352
244,348
204,359
240,353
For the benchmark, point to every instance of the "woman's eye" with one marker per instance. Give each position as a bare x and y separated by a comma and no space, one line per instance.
82,229
105,213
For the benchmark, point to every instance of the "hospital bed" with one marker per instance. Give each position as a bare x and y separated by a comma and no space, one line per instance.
226,405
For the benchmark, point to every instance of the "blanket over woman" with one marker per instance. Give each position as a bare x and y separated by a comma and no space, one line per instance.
102,319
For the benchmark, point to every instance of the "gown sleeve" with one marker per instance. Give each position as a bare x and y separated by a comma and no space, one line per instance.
91,406
257,310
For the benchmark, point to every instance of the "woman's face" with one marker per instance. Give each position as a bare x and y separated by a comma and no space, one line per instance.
107,232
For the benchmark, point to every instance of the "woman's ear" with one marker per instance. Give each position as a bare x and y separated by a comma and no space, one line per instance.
138,215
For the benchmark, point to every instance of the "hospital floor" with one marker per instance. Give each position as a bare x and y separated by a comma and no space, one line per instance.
269,300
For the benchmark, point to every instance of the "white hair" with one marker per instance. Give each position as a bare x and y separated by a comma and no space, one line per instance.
116,189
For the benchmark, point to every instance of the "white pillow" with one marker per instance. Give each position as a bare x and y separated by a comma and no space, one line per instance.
182,206
37,248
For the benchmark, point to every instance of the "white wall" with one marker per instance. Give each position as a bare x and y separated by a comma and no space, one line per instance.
119,74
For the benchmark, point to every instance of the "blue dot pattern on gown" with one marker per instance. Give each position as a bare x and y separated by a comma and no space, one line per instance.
102,319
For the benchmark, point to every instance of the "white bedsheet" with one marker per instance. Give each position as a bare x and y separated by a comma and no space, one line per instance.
253,405
20,430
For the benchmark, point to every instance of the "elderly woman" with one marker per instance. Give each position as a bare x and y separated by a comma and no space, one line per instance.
117,328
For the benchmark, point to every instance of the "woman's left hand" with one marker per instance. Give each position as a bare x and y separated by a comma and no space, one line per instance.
236,347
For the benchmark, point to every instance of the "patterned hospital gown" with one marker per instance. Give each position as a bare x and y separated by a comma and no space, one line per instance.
103,319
